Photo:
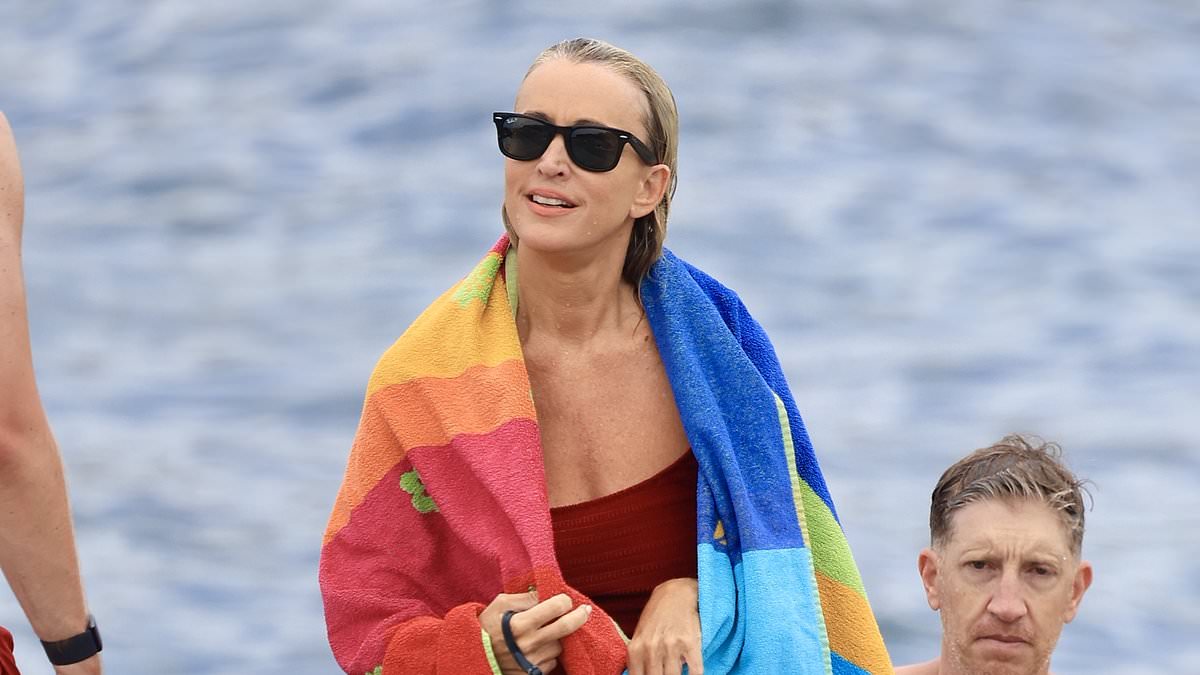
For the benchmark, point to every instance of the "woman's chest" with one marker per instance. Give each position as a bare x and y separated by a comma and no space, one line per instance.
604,425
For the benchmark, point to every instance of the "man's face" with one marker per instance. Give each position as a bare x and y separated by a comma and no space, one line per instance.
1004,582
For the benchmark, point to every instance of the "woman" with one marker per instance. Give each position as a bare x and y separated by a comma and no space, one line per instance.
664,487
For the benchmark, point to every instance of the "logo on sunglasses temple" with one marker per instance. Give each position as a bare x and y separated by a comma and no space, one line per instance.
590,147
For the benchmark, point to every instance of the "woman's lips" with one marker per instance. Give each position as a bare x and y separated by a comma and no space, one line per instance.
547,203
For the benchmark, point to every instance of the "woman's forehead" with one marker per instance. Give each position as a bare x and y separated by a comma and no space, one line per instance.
566,92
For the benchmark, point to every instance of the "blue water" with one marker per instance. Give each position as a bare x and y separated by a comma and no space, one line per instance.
956,219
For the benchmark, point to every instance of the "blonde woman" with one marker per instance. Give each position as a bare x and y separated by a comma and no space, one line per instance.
583,458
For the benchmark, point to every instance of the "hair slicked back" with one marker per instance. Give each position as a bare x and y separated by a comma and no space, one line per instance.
1015,468
661,119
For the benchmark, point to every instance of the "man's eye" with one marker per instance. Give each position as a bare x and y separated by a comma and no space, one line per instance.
1042,570
978,564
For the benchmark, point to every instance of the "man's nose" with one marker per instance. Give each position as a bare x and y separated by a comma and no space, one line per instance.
1008,600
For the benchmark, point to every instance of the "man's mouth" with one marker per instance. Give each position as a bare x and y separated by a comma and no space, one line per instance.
1006,639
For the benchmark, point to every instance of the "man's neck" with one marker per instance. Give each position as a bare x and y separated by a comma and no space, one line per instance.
941,666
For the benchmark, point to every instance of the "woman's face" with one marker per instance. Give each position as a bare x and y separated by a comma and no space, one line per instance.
599,207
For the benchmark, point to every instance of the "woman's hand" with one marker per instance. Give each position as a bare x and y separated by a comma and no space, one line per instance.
668,632
537,627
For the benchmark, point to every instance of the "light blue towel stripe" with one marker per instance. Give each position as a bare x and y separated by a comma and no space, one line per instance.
779,635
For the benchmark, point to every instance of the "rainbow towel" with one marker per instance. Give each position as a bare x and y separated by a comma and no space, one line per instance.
444,501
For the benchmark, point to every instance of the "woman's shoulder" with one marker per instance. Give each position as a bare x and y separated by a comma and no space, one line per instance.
717,291
461,329
676,270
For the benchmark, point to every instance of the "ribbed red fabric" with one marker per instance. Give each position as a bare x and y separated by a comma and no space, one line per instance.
8,663
617,548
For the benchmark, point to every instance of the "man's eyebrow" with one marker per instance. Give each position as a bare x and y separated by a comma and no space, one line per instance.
1047,554
1037,553
977,549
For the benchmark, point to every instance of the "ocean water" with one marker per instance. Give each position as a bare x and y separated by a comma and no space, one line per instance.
956,220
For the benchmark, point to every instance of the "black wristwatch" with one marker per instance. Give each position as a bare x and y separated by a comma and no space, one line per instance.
77,648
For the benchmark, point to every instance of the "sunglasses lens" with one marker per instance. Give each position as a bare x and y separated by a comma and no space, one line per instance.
522,138
526,138
595,149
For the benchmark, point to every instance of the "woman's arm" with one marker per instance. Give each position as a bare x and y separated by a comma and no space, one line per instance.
37,543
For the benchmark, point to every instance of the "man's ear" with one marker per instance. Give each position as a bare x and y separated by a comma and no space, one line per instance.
1079,586
651,191
927,567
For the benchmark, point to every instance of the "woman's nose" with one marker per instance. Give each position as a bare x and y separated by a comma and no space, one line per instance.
554,160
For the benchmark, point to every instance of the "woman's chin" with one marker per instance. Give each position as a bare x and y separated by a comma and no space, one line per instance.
553,235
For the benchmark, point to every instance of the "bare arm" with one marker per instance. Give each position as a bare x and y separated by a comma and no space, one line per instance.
37,543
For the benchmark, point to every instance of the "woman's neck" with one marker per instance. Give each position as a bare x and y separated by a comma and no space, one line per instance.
565,300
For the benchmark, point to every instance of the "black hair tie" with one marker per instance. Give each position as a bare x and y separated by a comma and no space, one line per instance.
511,642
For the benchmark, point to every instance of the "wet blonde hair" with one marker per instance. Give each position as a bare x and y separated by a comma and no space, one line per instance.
1014,468
661,120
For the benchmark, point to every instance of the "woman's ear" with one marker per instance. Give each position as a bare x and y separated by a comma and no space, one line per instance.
650,191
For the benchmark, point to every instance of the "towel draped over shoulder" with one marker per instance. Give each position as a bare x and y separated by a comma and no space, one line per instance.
444,501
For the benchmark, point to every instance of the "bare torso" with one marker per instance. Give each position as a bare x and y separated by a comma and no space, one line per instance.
607,416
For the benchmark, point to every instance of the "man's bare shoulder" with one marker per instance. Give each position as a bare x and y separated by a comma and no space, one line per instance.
927,668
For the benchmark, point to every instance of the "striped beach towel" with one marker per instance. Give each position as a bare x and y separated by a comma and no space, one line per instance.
444,502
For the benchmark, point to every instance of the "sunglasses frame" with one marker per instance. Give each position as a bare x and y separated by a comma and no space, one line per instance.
643,151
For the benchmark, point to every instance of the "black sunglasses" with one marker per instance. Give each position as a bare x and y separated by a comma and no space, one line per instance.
591,147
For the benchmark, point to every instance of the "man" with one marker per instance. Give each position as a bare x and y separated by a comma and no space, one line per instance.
37,544
1004,569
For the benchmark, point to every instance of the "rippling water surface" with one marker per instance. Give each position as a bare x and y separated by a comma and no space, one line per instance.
956,219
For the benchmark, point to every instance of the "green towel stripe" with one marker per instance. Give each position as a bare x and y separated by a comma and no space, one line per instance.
798,488
790,449
477,286
510,278
491,655
831,552
822,534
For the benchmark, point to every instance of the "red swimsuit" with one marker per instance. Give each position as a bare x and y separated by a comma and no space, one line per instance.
617,548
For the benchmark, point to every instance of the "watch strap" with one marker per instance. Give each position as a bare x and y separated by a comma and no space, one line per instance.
75,648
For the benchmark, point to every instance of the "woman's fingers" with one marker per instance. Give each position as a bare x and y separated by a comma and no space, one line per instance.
560,624
536,626
491,617
668,631
567,624
695,660
640,658
540,614
518,602
663,655
544,655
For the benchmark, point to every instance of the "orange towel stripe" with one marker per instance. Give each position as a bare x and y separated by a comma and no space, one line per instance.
847,617
425,405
